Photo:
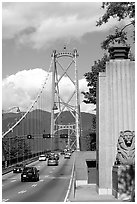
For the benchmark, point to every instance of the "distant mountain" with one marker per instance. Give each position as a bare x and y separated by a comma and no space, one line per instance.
38,120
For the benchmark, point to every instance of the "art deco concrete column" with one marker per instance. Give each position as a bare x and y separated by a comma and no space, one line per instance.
115,112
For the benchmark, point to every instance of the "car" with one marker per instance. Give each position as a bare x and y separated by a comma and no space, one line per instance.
69,153
52,161
18,168
67,156
42,157
50,154
62,152
30,174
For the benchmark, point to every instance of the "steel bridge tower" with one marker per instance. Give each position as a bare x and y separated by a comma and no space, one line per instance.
72,103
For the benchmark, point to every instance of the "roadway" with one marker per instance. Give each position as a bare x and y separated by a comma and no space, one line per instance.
52,186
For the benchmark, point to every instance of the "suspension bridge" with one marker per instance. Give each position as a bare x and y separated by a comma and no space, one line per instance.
36,131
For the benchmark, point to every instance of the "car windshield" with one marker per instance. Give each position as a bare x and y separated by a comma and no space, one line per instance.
19,165
51,158
42,155
27,169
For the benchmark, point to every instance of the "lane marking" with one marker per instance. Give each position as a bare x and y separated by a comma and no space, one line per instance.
22,191
41,180
13,180
54,168
34,185
59,177
4,200
46,176
71,180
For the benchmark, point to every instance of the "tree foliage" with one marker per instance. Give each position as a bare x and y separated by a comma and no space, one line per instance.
91,77
119,10
15,147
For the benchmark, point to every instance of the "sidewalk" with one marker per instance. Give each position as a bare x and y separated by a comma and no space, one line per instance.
87,193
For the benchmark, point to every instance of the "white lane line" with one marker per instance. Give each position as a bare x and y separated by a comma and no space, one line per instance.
70,182
22,191
46,176
34,185
13,180
4,200
51,172
41,180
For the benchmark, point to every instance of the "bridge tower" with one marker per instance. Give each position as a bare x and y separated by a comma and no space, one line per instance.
65,68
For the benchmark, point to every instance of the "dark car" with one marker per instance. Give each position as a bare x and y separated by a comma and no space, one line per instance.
30,174
49,154
18,168
52,161
62,152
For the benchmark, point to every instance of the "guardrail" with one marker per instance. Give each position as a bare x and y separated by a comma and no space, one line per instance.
10,168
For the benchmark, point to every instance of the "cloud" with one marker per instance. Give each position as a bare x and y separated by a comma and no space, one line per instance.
39,24
22,89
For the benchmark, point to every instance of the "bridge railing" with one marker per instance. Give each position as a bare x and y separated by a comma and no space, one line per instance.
8,165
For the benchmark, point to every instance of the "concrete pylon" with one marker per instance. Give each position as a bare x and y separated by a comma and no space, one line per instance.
115,113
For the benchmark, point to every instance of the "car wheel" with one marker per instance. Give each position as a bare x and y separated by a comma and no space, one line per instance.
22,180
38,179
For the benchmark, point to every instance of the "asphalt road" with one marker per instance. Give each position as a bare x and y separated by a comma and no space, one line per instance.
52,186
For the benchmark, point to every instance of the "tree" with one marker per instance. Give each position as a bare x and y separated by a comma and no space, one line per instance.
91,77
119,10
15,147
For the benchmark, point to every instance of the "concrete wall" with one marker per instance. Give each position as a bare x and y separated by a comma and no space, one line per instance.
115,113
81,166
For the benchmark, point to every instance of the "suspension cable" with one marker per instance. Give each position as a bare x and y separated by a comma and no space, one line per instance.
32,105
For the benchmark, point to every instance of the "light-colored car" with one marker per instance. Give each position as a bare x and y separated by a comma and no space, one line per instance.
42,157
52,161
67,156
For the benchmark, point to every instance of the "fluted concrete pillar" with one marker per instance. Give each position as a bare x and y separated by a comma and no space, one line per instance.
115,113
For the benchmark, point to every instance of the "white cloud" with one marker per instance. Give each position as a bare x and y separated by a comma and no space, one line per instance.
22,88
39,24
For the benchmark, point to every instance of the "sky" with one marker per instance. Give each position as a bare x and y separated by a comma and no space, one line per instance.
30,33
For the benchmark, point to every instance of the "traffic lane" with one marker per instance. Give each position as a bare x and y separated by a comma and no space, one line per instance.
51,190
11,183
11,175
37,163
52,187
9,179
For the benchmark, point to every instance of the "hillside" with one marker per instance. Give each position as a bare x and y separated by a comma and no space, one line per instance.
38,121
